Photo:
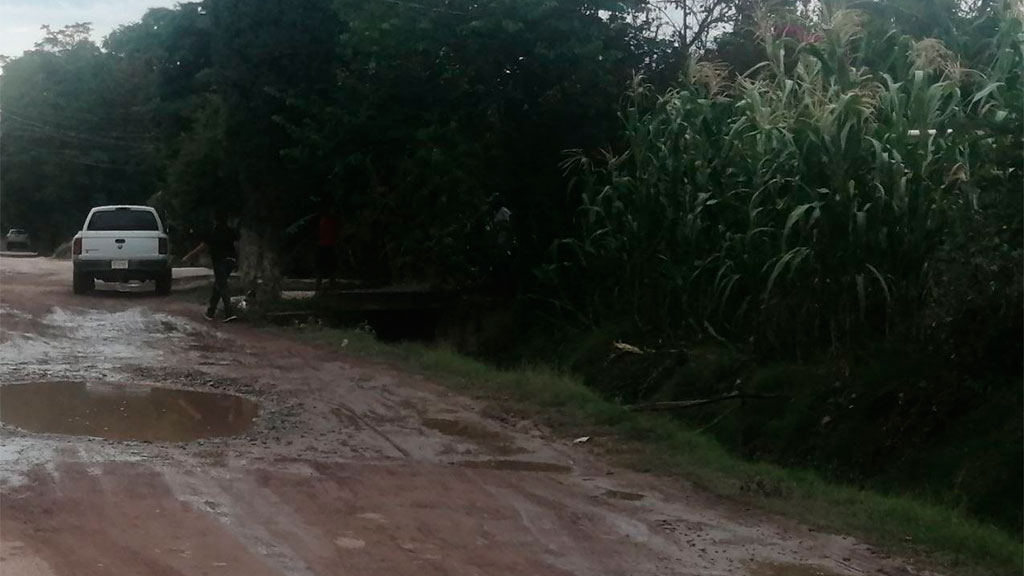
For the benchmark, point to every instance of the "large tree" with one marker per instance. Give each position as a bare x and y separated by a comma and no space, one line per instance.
266,55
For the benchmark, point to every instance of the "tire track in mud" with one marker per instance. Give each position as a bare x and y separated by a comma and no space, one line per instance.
351,412
211,498
366,424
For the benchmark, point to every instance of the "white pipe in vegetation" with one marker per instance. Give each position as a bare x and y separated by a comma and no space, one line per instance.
931,132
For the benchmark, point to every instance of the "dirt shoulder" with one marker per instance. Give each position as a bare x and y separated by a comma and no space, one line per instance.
351,467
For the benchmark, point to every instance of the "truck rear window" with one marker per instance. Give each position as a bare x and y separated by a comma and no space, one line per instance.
123,220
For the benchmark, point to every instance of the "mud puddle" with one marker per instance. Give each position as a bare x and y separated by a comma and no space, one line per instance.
124,412
779,569
516,466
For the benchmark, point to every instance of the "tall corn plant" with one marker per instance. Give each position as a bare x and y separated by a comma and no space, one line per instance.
797,209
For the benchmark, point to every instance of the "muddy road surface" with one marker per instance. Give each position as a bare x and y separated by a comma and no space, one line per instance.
140,439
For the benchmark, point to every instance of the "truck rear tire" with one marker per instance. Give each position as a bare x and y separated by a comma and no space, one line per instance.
83,283
163,284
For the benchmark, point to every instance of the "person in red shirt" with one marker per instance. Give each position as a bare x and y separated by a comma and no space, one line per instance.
326,238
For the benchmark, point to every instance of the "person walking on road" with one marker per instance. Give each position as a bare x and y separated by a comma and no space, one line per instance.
219,243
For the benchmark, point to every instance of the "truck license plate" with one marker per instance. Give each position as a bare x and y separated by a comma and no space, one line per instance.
119,264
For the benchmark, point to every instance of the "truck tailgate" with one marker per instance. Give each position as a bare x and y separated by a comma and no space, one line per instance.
120,245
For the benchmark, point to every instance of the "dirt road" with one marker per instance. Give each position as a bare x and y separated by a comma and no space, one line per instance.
349,468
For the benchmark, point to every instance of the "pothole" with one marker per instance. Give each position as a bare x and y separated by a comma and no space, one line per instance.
124,412
516,466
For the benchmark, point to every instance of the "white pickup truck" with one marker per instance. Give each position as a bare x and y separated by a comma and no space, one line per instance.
119,244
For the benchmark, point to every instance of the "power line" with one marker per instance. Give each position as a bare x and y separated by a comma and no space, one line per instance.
73,157
110,126
56,123
107,134
59,105
80,142
39,130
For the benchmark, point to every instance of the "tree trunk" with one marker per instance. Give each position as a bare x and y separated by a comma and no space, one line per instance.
260,267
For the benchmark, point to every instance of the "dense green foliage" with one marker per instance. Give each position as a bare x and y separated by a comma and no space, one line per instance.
799,184
807,205
434,135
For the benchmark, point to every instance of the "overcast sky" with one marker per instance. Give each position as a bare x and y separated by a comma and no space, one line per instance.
20,19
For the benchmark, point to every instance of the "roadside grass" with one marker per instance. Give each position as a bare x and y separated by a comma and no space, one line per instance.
941,537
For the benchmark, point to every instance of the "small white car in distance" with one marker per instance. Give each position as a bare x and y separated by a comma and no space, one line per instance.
17,239
120,244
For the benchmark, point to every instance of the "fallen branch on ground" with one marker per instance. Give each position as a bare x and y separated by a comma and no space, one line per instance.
683,404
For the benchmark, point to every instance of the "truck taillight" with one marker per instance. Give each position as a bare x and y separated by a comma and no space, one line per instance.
76,247
163,246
